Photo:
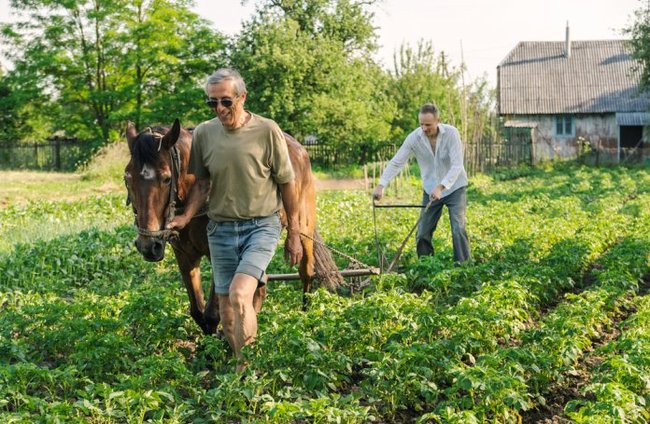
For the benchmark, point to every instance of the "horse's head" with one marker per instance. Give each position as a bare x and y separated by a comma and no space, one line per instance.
151,178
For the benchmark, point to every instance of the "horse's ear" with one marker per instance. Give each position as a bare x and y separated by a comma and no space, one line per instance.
131,134
172,135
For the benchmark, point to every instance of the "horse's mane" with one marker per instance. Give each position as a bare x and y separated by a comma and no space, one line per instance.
145,147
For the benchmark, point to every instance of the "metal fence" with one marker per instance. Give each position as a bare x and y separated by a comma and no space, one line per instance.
482,155
52,155
516,147
332,157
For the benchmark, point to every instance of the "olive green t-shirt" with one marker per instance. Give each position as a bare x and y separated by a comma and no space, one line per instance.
245,167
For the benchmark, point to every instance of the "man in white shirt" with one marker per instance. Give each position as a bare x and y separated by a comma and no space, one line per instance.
439,153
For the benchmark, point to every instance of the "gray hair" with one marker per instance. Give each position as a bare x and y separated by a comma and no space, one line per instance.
430,108
227,74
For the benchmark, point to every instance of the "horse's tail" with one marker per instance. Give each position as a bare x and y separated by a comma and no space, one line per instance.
325,269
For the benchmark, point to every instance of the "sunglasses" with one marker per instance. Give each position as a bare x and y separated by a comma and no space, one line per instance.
214,102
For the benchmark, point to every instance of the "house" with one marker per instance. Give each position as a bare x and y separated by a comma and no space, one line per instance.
574,95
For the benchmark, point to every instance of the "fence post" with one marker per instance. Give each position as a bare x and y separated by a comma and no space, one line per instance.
57,154
533,135
365,175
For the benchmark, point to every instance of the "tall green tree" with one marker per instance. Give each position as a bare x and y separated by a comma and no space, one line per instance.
94,63
421,75
639,31
307,64
7,111
22,111
169,53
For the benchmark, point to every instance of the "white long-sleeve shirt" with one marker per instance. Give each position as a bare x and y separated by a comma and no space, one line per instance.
444,166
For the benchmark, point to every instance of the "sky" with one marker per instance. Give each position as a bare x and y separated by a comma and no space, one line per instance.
479,33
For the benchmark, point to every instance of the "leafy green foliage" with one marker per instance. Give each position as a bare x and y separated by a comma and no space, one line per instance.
420,75
89,331
639,32
308,65
95,64
323,82
42,220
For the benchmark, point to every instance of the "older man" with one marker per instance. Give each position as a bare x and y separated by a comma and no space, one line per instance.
242,166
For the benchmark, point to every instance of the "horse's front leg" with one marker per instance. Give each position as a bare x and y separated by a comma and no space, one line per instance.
211,312
191,274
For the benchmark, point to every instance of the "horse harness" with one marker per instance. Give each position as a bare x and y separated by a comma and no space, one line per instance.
172,211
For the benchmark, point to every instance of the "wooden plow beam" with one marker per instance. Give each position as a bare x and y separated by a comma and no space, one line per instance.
344,273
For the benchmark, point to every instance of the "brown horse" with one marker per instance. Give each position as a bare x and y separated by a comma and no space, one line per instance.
158,184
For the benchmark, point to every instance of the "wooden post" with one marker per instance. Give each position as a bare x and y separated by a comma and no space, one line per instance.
365,175
344,273
533,135
57,154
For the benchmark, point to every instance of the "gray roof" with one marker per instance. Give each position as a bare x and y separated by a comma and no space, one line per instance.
536,77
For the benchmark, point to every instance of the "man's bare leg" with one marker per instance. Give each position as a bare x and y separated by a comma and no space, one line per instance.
244,330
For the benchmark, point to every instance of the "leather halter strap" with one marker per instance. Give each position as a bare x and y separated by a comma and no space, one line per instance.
164,234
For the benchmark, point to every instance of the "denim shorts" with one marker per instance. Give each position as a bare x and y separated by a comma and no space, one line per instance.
245,247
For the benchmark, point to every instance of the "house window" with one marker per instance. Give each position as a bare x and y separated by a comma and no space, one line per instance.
564,125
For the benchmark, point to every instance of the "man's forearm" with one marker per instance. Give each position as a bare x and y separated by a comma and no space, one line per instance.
290,202
292,247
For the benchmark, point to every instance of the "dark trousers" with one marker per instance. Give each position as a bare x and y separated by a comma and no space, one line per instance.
456,203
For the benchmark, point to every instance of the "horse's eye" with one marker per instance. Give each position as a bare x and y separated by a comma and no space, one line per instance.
167,180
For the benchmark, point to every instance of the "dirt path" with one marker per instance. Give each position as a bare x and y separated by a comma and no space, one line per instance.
341,184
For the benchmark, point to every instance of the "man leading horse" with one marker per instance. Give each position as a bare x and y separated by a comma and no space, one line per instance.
243,169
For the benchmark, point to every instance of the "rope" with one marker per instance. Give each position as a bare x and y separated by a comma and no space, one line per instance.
353,260
338,252
167,235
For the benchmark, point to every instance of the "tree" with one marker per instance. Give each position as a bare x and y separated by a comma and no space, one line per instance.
7,111
639,31
420,76
94,63
170,52
307,64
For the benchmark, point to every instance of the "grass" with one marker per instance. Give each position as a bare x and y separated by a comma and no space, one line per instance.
41,206
102,175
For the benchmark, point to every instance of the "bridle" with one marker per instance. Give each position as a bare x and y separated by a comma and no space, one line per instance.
164,234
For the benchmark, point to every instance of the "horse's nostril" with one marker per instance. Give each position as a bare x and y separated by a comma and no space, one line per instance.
158,247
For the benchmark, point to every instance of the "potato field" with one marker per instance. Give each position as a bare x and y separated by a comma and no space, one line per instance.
550,322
